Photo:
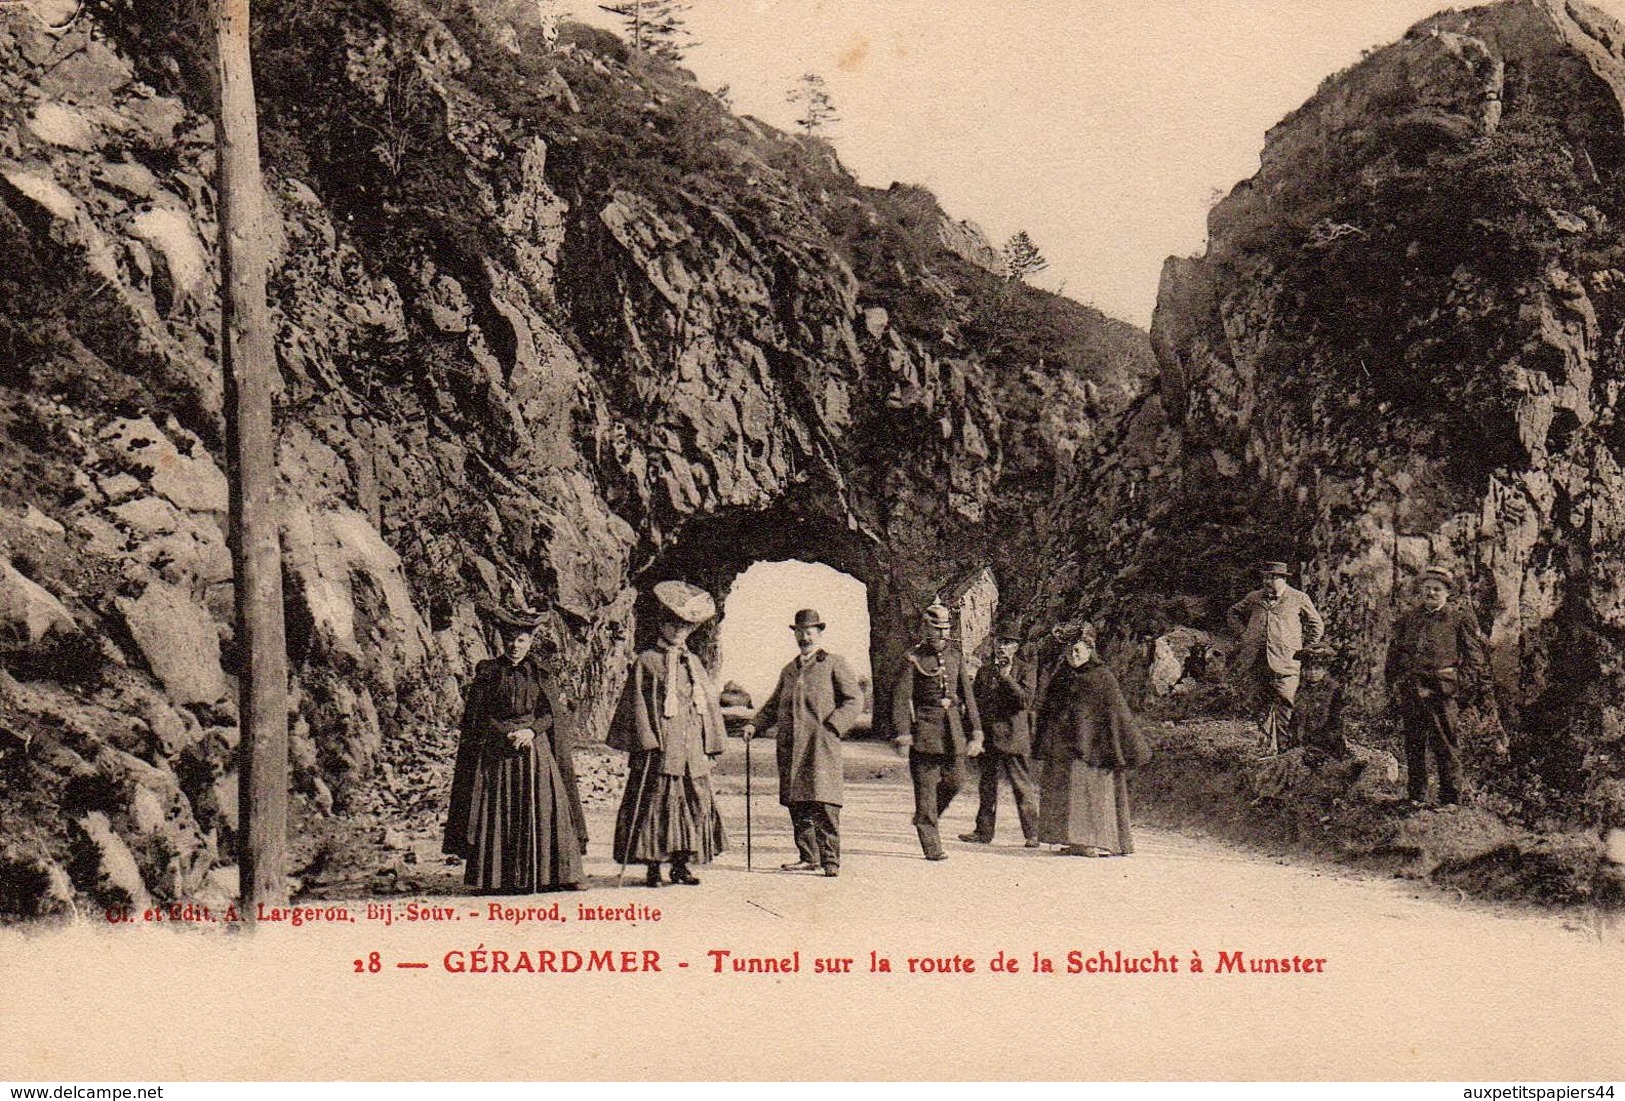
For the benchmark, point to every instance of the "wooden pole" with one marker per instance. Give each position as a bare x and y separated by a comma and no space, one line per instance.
250,367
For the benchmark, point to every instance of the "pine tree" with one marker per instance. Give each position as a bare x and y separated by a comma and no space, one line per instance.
817,111
1021,257
658,27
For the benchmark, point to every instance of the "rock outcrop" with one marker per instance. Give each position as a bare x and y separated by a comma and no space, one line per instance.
1401,348
551,325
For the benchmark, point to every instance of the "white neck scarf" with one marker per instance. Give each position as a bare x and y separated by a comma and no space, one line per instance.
698,679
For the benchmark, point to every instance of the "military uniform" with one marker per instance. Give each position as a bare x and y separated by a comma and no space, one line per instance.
932,689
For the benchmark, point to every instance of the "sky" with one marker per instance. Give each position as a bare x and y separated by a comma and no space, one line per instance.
754,636
1104,129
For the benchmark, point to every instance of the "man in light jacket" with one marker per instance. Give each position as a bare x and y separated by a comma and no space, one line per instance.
817,700
1274,621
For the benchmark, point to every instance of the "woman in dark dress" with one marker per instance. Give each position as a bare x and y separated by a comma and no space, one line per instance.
1087,741
670,725
515,815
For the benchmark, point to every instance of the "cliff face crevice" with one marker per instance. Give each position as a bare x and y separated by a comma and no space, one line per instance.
1402,348
551,325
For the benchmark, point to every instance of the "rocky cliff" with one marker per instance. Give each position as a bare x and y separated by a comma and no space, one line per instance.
1403,347
551,323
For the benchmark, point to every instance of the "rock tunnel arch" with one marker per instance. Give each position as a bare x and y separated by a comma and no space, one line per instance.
713,550
754,636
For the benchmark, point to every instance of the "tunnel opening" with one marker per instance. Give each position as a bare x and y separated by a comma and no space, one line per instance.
754,639
809,528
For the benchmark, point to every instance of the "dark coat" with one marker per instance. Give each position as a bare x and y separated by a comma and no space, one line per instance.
812,708
638,726
1004,698
1436,651
1084,717
502,698
926,679
1317,718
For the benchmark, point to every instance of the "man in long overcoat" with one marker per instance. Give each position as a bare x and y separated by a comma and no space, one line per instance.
1274,621
1004,698
1437,650
817,700
932,690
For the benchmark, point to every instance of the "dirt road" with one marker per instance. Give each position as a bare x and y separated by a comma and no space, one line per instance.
1412,985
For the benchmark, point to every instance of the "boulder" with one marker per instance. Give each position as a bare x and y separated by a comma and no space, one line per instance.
59,124
28,613
112,876
37,521
178,641
1369,774
1181,653
189,480
331,554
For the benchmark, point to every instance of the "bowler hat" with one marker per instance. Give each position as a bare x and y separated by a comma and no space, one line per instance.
1441,575
937,615
689,603
1273,569
808,618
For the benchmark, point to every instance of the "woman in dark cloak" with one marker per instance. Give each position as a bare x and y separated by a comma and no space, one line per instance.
515,814
670,725
1087,741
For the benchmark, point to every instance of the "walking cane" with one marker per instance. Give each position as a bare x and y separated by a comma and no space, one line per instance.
637,805
748,739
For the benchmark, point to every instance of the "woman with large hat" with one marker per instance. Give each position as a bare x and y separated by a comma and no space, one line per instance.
515,817
670,725
1088,741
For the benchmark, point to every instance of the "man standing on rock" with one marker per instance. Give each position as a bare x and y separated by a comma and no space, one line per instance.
1436,651
817,700
1004,696
1274,621
932,687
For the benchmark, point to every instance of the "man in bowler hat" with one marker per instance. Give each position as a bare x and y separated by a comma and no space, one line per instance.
817,700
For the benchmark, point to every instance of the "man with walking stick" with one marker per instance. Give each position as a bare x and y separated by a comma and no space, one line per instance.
817,700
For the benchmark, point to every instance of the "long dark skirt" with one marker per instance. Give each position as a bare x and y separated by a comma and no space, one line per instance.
521,835
673,814
1079,805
